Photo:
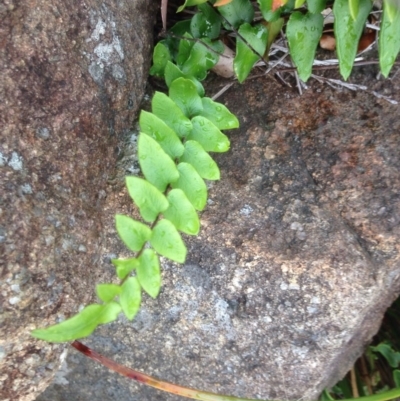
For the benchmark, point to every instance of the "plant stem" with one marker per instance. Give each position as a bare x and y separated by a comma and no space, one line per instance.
353,380
189,392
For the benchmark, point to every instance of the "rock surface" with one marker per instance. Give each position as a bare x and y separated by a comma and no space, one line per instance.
297,259
72,76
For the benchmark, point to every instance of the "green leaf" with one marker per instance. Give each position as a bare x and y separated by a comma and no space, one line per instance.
130,297
203,56
299,3
181,213
392,7
316,6
218,114
266,10
325,396
148,272
206,22
304,32
185,47
107,292
192,185
158,168
124,266
80,325
392,357
173,72
133,233
237,12
184,93
189,3
274,28
255,35
396,378
167,241
180,29
245,58
287,7
389,36
354,6
203,163
166,109
348,32
208,135
152,125
161,56
148,198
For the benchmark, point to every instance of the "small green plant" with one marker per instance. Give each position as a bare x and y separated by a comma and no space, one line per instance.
183,127
391,356
303,23
374,373
378,369
173,148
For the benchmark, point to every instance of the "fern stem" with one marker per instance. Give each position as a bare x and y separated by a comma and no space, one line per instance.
151,381
189,392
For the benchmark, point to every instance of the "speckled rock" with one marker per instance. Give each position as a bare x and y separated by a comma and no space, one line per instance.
72,75
297,259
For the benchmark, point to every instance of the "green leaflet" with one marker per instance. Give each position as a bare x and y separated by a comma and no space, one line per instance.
208,135
274,28
152,125
348,32
325,396
173,72
304,32
392,7
354,6
203,163
161,56
80,325
133,233
316,6
184,93
189,3
179,30
218,114
167,242
299,3
184,49
181,213
148,272
287,7
124,266
158,168
396,378
206,22
266,10
107,292
166,109
389,36
237,12
203,56
148,198
192,185
389,353
181,27
245,58
130,297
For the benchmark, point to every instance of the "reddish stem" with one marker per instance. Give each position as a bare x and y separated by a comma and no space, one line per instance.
151,381
189,392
